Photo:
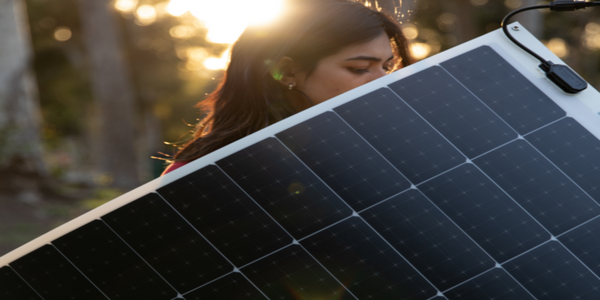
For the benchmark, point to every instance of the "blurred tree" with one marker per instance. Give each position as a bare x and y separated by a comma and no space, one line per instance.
113,94
21,157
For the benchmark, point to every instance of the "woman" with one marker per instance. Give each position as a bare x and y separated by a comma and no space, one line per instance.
316,50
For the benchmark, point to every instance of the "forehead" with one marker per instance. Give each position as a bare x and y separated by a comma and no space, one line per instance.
379,47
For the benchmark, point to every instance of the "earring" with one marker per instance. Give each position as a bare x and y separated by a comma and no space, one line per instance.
291,86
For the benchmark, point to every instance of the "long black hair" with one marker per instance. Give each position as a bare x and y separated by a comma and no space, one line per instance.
250,97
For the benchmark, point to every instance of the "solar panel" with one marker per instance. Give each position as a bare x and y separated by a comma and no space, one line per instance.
465,176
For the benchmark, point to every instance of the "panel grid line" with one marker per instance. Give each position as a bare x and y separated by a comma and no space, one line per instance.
511,198
74,266
428,123
478,99
371,146
396,250
133,250
26,282
562,172
313,172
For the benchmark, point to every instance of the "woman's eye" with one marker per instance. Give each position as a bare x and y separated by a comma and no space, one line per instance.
359,71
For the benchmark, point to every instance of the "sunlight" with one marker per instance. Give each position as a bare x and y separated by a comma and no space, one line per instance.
214,63
224,20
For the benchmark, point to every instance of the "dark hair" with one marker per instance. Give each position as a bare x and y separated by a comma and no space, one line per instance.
249,98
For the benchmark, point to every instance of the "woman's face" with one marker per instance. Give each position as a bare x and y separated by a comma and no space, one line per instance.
351,67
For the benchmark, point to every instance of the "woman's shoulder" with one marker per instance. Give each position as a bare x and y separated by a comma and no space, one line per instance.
174,166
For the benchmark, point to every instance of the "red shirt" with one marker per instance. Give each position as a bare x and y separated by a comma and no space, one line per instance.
174,166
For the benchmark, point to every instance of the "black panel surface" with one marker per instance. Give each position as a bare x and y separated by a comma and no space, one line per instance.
453,110
400,135
485,212
53,277
285,188
495,284
351,167
120,274
428,239
358,257
231,287
574,150
502,88
552,272
168,243
293,273
13,287
584,242
537,185
225,215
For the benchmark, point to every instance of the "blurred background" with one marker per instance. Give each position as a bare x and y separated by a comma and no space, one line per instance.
94,92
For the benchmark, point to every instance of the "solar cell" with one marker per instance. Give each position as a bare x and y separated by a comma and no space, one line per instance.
460,177
13,287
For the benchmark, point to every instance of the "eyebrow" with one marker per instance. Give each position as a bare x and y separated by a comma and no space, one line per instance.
369,58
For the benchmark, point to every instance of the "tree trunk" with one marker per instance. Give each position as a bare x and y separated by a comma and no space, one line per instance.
113,95
22,167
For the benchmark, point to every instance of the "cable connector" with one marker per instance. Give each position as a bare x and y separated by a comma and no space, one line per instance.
565,78
569,5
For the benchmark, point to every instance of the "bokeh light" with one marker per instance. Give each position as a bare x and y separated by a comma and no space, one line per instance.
410,31
558,47
420,50
145,15
591,36
126,5
62,33
513,4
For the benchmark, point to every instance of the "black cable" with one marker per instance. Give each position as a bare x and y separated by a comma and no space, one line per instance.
561,75
507,33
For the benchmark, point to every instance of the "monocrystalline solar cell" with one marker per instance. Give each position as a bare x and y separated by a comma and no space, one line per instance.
234,286
13,287
53,277
552,272
574,150
494,284
537,185
294,272
465,176
453,110
119,273
365,263
485,212
338,155
225,215
168,243
285,187
503,89
400,135
428,239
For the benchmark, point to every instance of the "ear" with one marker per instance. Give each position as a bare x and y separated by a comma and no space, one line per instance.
283,71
